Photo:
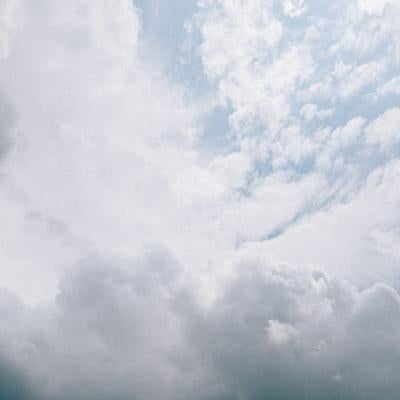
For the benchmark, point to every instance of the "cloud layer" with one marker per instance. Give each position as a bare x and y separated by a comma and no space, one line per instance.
124,329
216,219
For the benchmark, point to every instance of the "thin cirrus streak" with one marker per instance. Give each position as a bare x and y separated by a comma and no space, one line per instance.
199,199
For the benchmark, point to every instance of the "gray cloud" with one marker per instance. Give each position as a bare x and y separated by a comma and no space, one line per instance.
14,384
8,119
132,329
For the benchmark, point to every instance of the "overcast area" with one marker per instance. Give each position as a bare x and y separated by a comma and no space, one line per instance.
199,200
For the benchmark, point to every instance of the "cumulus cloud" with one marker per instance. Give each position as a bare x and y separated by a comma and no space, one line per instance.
95,115
389,87
294,8
131,328
218,220
384,131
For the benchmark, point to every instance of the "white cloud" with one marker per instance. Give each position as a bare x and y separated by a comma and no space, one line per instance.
6,22
385,130
374,7
294,8
117,145
346,135
278,333
354,79
348,238
310,111
103,151
239,51
390,87
105,127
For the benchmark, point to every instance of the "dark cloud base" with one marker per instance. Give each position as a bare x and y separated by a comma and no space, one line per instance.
131,329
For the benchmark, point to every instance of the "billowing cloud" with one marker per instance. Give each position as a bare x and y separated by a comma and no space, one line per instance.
199,203
122,329
384,131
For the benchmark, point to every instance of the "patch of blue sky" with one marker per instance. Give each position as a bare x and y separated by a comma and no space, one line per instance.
165,31
217,134
163,22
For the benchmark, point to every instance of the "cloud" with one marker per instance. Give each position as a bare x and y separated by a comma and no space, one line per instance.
124,328
348,239
310,111
142,262
390,87
119,143
294,8
6,22
354,79
107,128
384,131
8,120
374,7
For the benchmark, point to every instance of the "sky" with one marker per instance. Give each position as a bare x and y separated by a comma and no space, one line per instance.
199,200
